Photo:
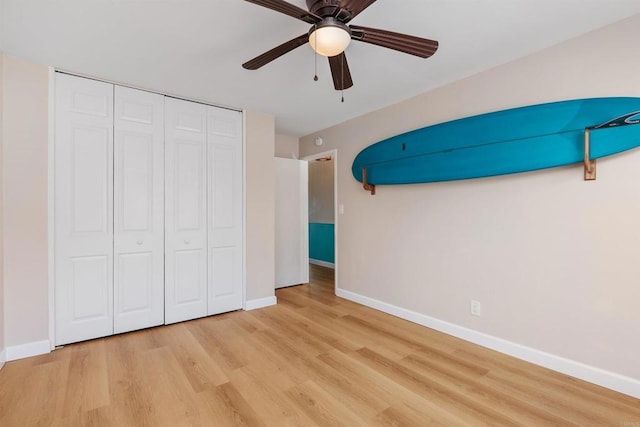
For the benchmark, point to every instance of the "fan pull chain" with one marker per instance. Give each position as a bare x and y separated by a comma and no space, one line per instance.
315,56
315,76
342,73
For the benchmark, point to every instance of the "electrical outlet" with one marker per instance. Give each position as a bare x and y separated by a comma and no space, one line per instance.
475,308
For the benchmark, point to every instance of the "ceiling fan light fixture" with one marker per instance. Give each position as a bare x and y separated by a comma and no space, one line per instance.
330,37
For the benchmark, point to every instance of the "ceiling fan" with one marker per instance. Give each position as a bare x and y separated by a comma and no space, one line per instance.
330,35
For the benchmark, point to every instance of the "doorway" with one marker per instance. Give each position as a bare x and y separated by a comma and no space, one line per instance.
323,227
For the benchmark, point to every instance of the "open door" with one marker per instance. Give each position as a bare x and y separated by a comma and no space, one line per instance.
292,223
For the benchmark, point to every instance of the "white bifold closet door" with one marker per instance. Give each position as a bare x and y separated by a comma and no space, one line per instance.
83,209
138,279
224,146
203,217
109,209
148,209
185,210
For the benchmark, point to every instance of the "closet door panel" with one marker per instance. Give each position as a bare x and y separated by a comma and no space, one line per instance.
185,211
224,141
139,209
188,271
83,170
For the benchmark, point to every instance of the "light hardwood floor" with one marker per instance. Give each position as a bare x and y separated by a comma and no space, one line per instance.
314,359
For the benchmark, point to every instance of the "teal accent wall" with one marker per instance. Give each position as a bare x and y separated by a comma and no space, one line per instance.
321,242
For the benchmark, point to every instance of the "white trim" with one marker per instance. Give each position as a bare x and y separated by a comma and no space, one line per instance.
336,219
244,209
27,350
2,358
322,263
592,374
254,304
50,206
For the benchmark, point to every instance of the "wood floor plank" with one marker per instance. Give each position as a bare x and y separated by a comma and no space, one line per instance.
358,335
238,409
265,394
312,360
306,326
322,407
404,415
551,382
222,342
196,364
401,398
87,382
473,388
450,398
131,395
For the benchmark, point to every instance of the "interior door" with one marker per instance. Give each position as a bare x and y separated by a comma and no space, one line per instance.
185,210
292,222
83,158
138,209
224,146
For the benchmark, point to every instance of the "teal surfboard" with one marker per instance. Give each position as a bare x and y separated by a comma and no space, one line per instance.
503,142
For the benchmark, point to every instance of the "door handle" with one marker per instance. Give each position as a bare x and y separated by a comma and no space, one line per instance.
187,241
139,242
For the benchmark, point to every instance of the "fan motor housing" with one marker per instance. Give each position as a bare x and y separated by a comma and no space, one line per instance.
323,8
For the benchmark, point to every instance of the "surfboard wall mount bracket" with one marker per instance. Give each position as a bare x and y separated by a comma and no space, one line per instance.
589,164
366,185
632,118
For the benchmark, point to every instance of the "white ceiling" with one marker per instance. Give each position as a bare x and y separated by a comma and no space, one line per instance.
195,48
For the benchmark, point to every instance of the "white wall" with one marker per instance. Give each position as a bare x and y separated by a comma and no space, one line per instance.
24,127
552,259
286,146
24,169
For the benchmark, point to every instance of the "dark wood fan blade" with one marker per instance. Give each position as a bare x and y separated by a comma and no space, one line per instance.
276,52
340,72
355,7
288,9
412,45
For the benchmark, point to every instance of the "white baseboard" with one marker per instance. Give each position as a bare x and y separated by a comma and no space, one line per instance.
27,350
254,304
322,263
611,380
2,358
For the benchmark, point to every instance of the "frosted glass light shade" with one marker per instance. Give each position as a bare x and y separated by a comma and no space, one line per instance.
329,40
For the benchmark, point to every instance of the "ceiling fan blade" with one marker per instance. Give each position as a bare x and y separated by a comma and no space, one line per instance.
288,9
412,45
355,7
276,52
340,72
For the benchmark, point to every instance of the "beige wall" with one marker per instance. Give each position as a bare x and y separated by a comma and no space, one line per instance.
552,259
260,192
286,146
321,197
24,166
25,93
1,220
